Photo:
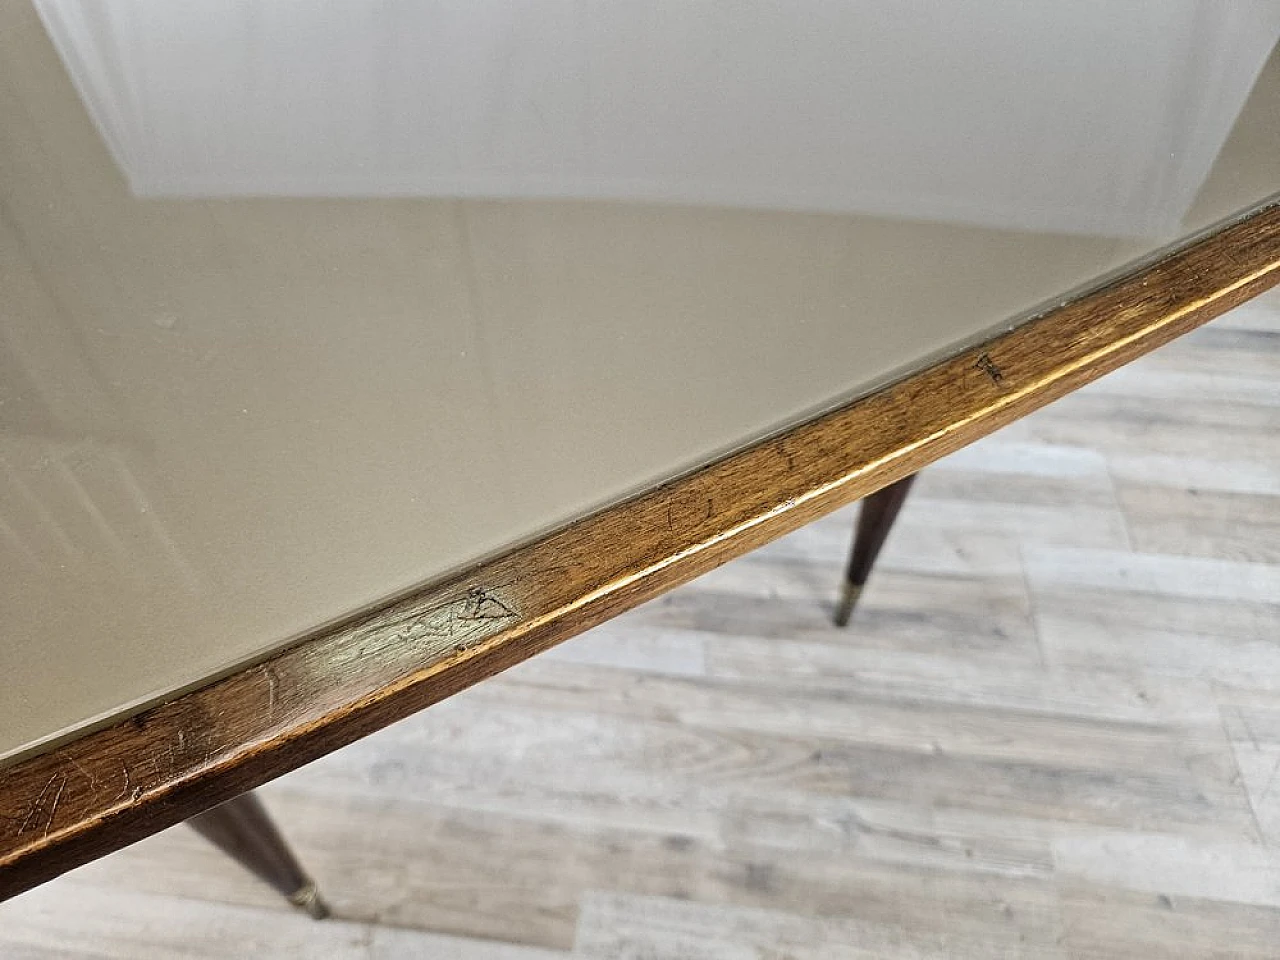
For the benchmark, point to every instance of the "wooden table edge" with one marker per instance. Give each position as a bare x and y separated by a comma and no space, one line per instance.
115,785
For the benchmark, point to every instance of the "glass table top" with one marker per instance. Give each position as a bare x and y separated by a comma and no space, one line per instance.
304,305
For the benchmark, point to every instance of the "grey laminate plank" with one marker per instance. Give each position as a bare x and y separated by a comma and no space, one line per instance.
1110,923
1189,521
1232,472
1172,864
850,716
108,923
614,926
1153,574
983,617
1230,641
838,663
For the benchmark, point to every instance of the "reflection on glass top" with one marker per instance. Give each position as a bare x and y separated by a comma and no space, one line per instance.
306,304
1100,118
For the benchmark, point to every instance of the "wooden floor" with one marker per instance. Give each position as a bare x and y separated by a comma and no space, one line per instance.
1052,732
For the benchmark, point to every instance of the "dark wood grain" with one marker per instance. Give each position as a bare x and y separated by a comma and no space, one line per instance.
875,519
118,784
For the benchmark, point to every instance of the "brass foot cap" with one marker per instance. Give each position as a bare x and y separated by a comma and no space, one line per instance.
308,898
848,600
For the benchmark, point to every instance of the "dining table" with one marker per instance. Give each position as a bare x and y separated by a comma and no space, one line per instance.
353,352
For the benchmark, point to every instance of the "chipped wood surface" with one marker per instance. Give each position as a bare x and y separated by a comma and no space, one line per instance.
113,786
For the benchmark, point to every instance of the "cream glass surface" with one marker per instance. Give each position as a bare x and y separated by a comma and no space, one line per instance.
304,305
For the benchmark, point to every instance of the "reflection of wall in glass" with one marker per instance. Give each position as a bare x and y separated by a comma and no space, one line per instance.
998,113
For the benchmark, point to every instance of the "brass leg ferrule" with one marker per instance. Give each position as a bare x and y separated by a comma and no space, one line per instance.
308,898
849,595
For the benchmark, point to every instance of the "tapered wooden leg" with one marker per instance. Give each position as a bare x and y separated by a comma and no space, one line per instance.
875,518
243,829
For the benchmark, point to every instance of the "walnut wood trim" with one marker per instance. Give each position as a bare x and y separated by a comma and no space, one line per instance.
118,784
